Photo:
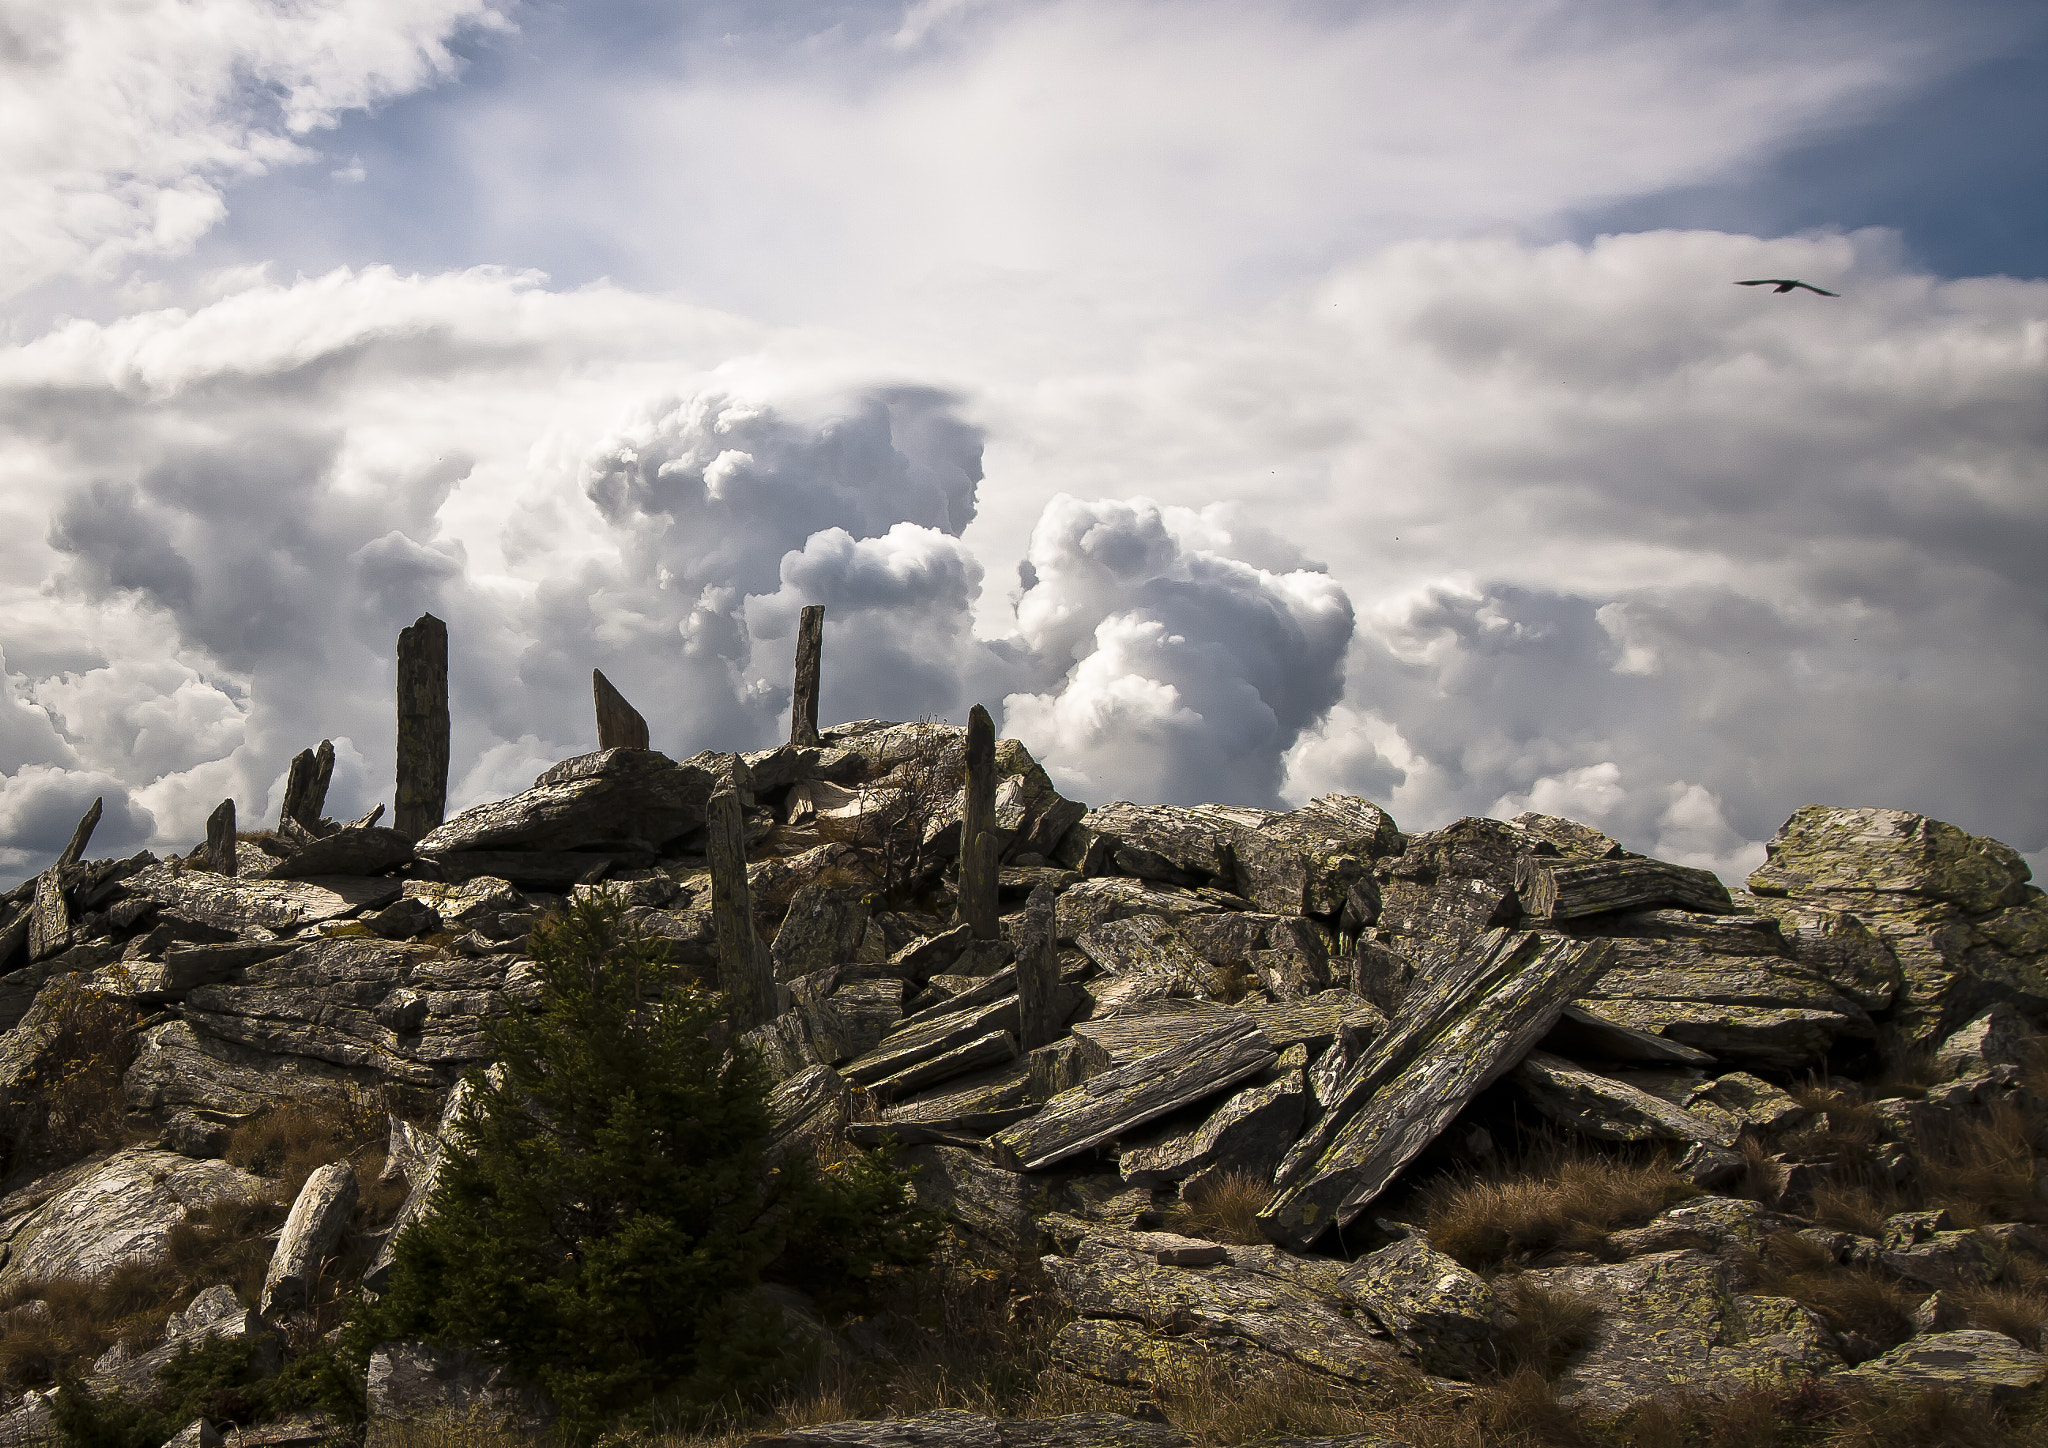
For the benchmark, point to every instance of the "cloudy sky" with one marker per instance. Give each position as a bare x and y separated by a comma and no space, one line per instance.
1245,399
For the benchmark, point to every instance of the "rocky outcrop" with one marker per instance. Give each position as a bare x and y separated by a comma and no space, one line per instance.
1956,910
1677,1321
1307,998
90,1220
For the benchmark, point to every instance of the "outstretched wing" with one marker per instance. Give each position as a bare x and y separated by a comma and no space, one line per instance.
1785,284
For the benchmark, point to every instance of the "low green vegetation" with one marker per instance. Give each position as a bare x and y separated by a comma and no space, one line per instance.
608,1212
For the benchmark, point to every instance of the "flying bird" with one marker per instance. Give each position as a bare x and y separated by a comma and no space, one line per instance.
1785,284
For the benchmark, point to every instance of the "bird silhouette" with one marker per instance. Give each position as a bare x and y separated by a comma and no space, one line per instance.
1785,284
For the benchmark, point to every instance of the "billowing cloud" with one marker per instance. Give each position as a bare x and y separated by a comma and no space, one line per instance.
122,123
1178,673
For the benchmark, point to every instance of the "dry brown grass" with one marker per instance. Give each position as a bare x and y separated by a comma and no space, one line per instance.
2018,1312
1849,1208
1981,1167
1547,1327
1224,1209
297,1136
1217,1409
1851,1299
1570,1203
224,1242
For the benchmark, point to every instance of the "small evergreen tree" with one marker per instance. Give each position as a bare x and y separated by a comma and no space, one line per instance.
608,1203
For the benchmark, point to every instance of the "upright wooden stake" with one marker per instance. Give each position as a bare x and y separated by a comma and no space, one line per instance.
619,725
810,648
421,797
746,972
220,840
979,866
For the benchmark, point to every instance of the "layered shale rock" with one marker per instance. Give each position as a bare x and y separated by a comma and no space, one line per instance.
1306,1005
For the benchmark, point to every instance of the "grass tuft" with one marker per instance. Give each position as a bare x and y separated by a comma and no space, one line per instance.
1570,1204
1224,1209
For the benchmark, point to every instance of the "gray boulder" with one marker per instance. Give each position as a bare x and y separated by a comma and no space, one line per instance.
1955,909
91,1220
1678,1321
615,799
310,1233
1968,1364
1138,1322
413,1385
1440,1312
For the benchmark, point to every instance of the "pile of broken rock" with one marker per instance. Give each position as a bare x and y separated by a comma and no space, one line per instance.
1309,997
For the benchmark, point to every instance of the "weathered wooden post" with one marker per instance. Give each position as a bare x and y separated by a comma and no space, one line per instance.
49,925
421,797
221,854
619,725
746,972
979,865
810,648
1038,972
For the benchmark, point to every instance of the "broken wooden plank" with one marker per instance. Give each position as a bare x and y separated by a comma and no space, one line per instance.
619,724
1584,1035
1594,887
420,800
1480,1015
810,649
1132,1095
1609,1110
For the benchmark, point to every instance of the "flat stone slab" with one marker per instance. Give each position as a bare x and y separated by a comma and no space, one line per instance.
235,903
1673,1321
1268,1320
1971,1363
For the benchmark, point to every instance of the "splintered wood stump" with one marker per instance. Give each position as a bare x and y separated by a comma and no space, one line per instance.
49,924
746,971
1592,887
1476,1019
980,867
1038,973
422,796
810,649
220,839
619,725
